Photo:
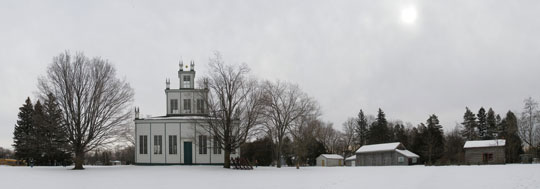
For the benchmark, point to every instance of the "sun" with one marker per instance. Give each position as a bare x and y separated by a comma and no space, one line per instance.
409,15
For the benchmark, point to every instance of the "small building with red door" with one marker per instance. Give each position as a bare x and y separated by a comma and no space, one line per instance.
485,151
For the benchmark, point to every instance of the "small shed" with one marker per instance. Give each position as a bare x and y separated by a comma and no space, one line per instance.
329,160
485,151
385,154
351,161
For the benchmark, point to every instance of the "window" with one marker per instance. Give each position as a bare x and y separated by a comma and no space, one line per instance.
413,160
187,81
217,145
174,106
158,144
187,105
487,157
401,159
202,144
143,144
173,144
200,106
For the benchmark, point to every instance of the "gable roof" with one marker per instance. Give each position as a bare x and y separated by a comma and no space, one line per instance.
378,147
332,156
407,153
351,158
484,143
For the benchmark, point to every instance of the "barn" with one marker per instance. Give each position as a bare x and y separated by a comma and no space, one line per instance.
485,151
385,154
329,160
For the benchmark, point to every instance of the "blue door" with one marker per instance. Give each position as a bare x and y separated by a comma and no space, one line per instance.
187,153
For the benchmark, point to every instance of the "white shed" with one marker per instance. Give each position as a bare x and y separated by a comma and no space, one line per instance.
329,160
351,161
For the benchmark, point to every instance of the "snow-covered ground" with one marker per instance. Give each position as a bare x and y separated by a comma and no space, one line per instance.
201,177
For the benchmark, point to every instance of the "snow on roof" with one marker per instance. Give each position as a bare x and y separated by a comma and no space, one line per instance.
378,147
407,153
332,156
484,143
351,158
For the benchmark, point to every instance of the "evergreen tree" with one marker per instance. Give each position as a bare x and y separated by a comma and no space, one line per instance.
501,128
361,128
53,135
38,140
491,121
417,141
22,133
470,127
379,132
482,123
434,140
401,135
513,146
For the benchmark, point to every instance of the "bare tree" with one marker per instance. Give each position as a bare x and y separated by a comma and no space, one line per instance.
285,103
528,124
93,101
234,104
303,135
349,136
126,133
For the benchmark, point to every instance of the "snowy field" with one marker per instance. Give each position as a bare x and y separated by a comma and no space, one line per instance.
201,177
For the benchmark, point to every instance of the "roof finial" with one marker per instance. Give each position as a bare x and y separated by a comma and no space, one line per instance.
181,64
192,65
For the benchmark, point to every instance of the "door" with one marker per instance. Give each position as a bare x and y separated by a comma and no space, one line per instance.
187,153
322,162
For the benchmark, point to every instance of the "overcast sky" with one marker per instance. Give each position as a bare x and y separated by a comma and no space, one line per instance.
410,58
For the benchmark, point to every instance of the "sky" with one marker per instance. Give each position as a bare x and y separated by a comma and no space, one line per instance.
410,58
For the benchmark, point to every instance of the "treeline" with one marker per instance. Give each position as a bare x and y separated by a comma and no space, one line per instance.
432,144
435,147
126,155
6,153
38,136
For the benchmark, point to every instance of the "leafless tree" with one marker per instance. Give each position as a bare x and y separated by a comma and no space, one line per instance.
349,136
285,103
126,133
233,102
528,124
303,135
93,100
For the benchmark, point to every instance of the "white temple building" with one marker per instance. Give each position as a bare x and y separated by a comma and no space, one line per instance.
180,136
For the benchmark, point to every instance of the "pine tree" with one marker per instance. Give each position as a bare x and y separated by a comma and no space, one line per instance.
361,128
379,132
434,140
38,140
418,142
501,127
470,126
401,135
482,123
54,136
23,129
491,121
513,146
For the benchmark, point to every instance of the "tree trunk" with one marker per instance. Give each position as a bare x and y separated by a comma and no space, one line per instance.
79,160
278,163
227,160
